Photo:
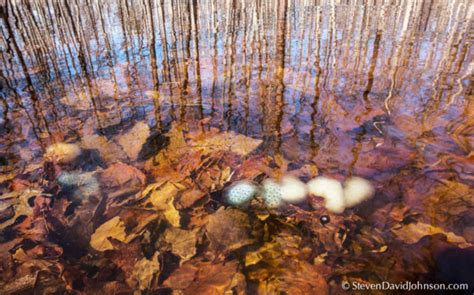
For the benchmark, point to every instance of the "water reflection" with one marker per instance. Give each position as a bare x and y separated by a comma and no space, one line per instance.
321,81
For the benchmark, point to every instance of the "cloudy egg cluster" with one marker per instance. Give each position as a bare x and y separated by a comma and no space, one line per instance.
272,193
290,189
338,197
241,192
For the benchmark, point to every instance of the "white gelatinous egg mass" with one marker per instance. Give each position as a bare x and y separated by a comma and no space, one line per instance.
241,192
329,189
357,190
63,152
84,184
272,194
293,190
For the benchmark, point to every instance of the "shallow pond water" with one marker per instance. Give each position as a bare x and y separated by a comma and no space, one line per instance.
380,89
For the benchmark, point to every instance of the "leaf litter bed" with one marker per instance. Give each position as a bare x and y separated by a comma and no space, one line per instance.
144,212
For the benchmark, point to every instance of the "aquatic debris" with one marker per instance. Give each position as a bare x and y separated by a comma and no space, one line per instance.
293,190
83,184
241,192
63,152
357,190
272,193
331,190
338,198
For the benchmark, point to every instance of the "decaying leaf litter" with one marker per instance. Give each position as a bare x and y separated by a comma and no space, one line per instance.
144,144
162,223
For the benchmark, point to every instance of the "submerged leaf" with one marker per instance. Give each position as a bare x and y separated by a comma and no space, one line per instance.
145,270
199,277
108,150
183,242
278,267
114,228
133,140
228,230
14,205
189,197
413,232
182,277
228,141
119,175
161,193
172,215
